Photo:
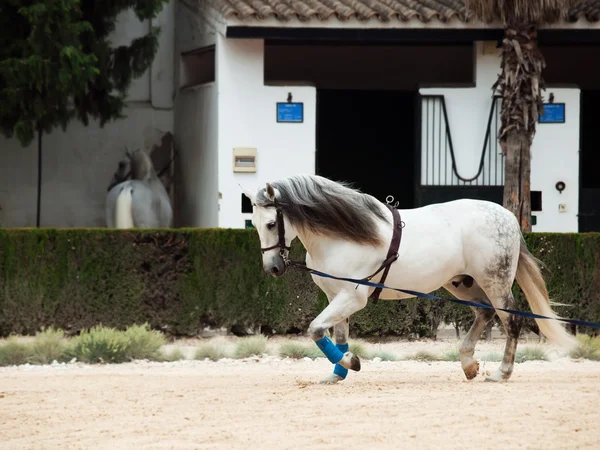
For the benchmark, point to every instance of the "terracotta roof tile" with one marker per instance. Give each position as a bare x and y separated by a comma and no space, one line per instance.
589,9
364,10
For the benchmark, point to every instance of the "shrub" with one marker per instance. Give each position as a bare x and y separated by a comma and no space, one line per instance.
452,355
143,343
176,354
530,354
295,350
492,357
49,345
251,346
588,348
14,352
181,281
100,345
210,351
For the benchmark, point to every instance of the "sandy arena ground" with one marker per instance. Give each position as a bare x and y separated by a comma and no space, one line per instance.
273,403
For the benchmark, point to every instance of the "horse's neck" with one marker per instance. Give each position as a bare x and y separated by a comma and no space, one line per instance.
319,247
142,169
330,252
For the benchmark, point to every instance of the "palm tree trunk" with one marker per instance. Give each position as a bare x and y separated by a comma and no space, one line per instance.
520,84
517,196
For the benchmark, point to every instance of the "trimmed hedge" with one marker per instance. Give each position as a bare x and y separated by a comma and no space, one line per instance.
180,281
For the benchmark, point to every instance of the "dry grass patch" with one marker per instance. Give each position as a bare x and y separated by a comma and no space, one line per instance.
451,355
384,356
251,346
423,356
209,351
14,353
176,354
588,348
492,357
531,354
297,350
49,345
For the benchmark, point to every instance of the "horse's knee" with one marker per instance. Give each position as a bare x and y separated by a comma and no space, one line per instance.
316,331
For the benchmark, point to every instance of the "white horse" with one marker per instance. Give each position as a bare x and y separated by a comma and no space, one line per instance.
143,201
474,249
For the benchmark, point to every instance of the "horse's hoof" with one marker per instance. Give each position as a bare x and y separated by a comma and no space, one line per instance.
332,378
498,377
354,363
471,370
350,361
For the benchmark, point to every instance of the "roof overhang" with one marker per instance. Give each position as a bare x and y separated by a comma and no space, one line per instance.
423,21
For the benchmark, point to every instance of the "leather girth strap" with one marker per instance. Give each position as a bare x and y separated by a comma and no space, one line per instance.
392,253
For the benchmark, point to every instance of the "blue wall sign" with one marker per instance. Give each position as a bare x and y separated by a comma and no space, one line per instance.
553,113
290,112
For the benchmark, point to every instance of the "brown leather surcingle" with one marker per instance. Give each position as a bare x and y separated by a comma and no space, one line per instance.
392,255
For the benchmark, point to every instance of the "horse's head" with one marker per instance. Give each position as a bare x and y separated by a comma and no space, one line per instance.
274,229
122,173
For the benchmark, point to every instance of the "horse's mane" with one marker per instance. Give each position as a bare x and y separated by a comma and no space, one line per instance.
141,166
322,206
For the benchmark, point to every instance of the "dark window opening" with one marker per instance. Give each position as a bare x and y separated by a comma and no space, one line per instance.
246,204
589,161
536,200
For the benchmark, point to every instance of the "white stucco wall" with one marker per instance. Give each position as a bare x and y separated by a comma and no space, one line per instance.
555,151
78,164
555,157
196,137
247,118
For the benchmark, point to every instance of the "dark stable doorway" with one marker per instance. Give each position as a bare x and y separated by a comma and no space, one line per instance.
589,161
368,138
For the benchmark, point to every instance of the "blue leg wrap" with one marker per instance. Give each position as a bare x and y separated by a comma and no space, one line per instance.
331,352
339,370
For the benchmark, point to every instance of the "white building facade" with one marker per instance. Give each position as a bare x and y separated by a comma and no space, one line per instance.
398,102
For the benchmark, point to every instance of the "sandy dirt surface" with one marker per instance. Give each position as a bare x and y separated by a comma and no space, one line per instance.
273,403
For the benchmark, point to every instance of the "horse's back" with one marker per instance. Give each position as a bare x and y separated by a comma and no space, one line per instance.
467,212
479,228
489,233
150,207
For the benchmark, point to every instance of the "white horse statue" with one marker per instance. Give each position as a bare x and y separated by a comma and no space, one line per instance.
473,248
143,201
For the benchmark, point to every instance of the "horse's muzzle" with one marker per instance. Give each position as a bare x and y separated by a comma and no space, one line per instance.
276,267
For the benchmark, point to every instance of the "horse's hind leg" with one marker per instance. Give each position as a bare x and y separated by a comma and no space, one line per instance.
468,291
503,298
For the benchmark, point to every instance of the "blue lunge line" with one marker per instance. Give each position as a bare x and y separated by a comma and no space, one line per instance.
435,297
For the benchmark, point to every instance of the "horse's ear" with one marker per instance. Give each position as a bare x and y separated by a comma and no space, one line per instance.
251,195
270,193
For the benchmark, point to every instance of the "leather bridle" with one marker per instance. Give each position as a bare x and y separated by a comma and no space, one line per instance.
281,236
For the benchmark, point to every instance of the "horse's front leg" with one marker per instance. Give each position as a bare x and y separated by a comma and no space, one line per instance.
341,331
341,307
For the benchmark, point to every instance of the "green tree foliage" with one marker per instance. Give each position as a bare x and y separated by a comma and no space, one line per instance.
57,62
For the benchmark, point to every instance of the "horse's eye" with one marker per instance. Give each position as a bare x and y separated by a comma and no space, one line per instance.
271,225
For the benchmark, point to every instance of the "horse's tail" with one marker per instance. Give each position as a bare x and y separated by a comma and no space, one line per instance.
529,277
123,209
